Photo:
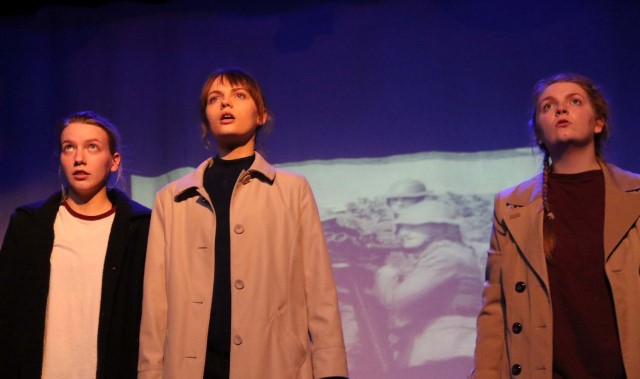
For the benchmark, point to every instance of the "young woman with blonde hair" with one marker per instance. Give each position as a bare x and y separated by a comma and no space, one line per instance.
71,267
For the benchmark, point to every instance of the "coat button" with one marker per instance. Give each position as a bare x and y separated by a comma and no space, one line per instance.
517,327
237,340
238,229
520,287
516,369
239,284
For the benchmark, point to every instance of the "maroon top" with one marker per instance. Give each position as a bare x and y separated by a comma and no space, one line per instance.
585,335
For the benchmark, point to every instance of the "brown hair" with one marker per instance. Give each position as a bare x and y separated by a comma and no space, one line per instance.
601,109
235,77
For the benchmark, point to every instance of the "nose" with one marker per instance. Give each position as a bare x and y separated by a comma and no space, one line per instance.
561,109
225,104
78,159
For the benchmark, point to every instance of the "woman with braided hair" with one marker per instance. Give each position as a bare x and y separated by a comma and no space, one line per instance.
562,291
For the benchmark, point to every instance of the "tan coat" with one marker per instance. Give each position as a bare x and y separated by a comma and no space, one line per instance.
516,258
285,319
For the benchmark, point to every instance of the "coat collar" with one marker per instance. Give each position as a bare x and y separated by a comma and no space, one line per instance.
622,205
524,204
260,169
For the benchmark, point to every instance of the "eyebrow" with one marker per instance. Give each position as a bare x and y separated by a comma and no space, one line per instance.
566,97
234,89
85,141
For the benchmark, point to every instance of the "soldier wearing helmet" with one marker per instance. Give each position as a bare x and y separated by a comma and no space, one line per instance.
404,193
431,290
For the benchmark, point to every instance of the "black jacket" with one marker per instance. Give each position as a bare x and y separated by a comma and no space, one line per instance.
24,288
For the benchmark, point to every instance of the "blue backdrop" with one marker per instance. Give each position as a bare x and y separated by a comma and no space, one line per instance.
344,79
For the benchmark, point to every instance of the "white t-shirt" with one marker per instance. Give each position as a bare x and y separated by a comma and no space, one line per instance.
75,286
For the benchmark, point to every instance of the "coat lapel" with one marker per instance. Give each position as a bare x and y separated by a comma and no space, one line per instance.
621,210
116,249
523,219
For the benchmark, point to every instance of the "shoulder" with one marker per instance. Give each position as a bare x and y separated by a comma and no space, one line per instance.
523,192
292,183
127,206
278,176
290,176
193,179
626,180
39,208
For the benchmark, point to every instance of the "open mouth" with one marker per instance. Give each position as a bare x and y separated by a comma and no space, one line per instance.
227,117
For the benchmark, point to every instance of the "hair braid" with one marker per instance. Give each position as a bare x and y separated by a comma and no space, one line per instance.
549,238
545,187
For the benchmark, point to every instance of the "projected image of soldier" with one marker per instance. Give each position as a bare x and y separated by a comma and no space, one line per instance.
357,249
405,193
431,290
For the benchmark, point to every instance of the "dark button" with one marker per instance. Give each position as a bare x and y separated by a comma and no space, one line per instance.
516,369
517,327
238,229
520,287
237,340
239,284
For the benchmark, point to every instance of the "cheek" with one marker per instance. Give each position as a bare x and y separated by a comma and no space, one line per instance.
66,162
211,114
545,125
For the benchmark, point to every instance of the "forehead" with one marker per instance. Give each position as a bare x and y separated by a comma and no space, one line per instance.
222,82
83,131
561,90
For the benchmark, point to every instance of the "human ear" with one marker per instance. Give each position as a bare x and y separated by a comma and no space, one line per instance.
115,162
262,119
599,127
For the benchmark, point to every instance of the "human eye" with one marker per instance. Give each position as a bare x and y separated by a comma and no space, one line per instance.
213,99
240,95
576,101
545,107
93,147
67,147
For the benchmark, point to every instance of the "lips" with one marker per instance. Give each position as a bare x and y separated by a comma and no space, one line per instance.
562,123
80,175
227,118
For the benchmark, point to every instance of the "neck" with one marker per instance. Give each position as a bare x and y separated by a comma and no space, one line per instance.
575,160
236,152
90,205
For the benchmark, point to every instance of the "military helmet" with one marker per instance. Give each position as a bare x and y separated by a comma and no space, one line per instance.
406,188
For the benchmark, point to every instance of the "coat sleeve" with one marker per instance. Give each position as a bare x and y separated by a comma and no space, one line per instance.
153,326
8,278
490,326
328,353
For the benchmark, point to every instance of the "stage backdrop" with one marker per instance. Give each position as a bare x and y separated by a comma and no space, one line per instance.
371,99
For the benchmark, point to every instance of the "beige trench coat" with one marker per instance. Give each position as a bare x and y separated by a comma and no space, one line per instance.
285,319
517,287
